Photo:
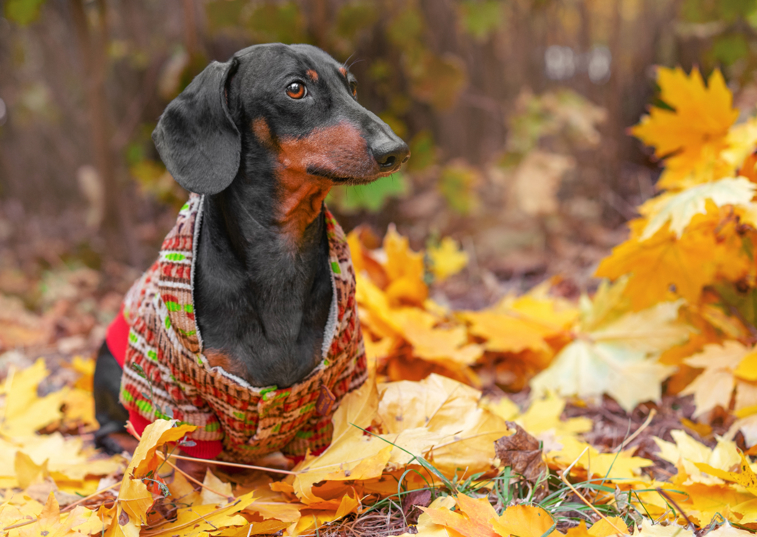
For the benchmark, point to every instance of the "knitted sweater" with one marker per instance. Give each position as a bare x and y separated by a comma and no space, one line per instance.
166,375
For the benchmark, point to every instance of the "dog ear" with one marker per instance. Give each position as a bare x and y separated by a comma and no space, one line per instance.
196,137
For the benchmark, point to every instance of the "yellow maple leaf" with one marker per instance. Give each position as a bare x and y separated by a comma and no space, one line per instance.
447,259
25,412
605,527
351,455
51,524
426,526
589,461
523,323
214,490
687,453
203,519
86,369
704,502
542,416
740,143
694,133
618,358
448,345
723,373
472,519
405,270
545,415
134,497
746,477
665,266
79,409
608,303
651,529
440,419
679,208
524,521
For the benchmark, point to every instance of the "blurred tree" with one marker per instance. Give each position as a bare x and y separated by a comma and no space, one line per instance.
86,82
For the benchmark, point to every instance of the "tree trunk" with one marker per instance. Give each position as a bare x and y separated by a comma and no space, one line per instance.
93,54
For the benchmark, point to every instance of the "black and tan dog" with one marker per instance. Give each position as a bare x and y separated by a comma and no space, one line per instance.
261,139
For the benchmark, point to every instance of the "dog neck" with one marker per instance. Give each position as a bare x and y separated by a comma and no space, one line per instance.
301,203
263,285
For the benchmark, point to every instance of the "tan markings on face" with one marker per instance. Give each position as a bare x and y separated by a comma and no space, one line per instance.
339,151
312,75
343,71
220,359
262,131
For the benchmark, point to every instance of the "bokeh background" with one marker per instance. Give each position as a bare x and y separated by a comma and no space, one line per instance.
516,112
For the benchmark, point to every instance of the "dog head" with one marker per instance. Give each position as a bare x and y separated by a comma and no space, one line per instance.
293,105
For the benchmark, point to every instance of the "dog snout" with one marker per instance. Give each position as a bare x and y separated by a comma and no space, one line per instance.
391,154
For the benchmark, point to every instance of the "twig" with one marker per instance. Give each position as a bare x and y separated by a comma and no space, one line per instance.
182,472
64,510
20,524
234,464
624,443
665,495
94,494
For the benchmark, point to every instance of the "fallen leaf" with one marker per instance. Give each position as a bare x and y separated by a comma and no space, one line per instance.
214,490
447,259
524,521
50,524
716,384
471,521
617,358
521,452
678,209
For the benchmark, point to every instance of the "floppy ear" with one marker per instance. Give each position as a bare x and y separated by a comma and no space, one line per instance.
196,137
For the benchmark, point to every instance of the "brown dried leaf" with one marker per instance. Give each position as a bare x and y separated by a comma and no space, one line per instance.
413,500
520,451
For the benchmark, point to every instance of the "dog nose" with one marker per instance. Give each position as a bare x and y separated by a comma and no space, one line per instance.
390,156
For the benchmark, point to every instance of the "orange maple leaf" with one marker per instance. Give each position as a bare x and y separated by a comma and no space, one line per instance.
694,132
472,519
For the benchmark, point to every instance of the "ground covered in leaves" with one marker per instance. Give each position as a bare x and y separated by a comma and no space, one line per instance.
631,410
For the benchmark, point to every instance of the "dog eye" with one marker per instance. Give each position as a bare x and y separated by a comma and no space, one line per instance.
296,90
353,88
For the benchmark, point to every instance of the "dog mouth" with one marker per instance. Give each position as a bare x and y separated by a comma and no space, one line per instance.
351,181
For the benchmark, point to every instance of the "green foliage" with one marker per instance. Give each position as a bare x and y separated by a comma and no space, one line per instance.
23,12
371,197
279,22
701,11
457,185
354,18
264,22
405,30
728,49
224,14
482,19
423,151
437,80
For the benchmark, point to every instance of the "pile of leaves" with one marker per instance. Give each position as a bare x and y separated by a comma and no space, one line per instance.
419,449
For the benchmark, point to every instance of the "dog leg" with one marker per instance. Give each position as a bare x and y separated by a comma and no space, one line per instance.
109,412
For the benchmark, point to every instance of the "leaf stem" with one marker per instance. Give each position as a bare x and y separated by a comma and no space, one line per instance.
234,464
192,479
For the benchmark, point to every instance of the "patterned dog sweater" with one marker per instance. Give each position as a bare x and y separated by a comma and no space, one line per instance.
165,374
